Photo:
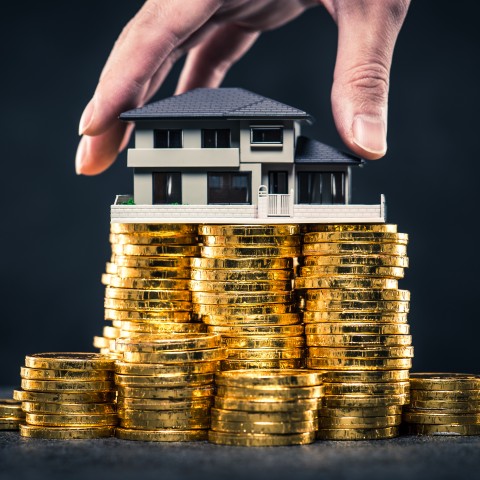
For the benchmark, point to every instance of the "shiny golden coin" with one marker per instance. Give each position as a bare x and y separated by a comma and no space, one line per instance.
281,406
250,240
160,250
241,298
372,306
360,363
250,252
292,363
165,406
278,428
165,393
10,408
277,393
147,305
58,420
10,424
128,239
445,381
360,422
353,319
358,433
260,440
236,286
365,401
65,375
266,319
427,418
354,328
269,378
124,368
384,388
149,283
256,342
164,328
111,332
106,279
161,435
343,248
352,271
450,406
350,260
354,227
158,343
241,330
363,352
446,395
157,229
111,268
67,386
164,381
231,275
264,353
362,237
345,283
242,263
156,319
147,295
338,294
354,340
266,309
70,408
160,424
366,377
66,433
173,356
417,429
254,230
367,412
149,262
161,273
64,397
219,415
102,342
69,361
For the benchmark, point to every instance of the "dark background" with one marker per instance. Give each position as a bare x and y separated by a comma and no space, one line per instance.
54,225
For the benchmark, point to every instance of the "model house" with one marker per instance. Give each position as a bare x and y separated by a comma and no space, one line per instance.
227,154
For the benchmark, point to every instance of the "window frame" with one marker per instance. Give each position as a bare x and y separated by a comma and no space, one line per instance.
168,130
178,192
215,132
255,144
247,175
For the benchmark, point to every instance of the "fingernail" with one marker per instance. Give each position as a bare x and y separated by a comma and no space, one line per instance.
79,157
369,133
86,118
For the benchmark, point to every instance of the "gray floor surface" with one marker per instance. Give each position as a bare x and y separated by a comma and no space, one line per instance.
401,458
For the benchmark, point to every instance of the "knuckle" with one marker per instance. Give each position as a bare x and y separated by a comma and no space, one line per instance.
370,81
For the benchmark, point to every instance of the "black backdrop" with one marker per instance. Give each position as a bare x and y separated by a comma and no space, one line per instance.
54,240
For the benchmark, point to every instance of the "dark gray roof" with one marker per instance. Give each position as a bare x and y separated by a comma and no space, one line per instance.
213,103
313,151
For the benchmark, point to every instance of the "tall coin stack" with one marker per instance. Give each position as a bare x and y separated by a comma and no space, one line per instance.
242,289
67,396
166,386
266,407
147,281
355,324
11,414
443,404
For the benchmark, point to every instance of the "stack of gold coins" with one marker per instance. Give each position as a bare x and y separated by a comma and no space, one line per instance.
166,386
443,404
11,414
68,396
242,289
147,281
266,407
355,323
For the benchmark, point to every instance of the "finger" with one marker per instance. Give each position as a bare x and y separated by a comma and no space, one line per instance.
367,32
208,63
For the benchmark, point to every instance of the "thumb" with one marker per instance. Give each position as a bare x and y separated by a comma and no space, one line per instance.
367,32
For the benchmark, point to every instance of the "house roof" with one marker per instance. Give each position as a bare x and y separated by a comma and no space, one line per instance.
313,151
214,103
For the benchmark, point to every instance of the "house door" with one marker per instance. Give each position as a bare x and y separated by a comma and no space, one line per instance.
229,188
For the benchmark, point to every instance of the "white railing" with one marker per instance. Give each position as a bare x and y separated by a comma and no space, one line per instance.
279,205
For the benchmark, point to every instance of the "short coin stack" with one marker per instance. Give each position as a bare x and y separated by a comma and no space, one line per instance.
443,404
355,324
266,407
166,386
242,289
68,396
147,281
11,414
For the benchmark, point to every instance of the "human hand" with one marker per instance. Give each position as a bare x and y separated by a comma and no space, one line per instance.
216,34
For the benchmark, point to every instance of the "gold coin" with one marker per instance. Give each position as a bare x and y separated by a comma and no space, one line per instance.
66,433
241,330
363,352
260,440
251,240
148,262
263,342
161,435
384,388
219,415
237,404
354,328
164,381
354,227
252,252
360,422
278,428
124,368
358,340
445,381
158,343
155,319
173,356
367,412
106,279
368,306
69,361
70,408
370,376
450,406
336,294
242,263
269,378
148,295
148,305
160,250
277,393
64,397
345,283
158,406
161,273
349,260
129,239
67,386
231,275
417,429
149,283
157,229
65,375
165,393
343,248
58,420
265,319
102,342
264,353
371,237
254,230
160,424
446,395
291,363
241,298
360,363
10,424
421,417
352,271
363,401
10,408
136,328
236,286
266,309
358,433
356,319
111,268
111,332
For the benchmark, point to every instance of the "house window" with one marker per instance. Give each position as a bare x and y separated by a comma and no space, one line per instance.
229,188
167,188
266,136
167,138
278,182
216,138
321,187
